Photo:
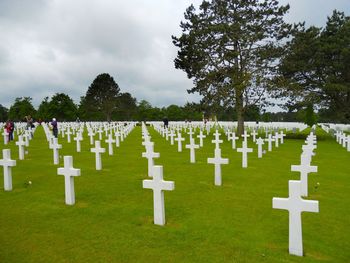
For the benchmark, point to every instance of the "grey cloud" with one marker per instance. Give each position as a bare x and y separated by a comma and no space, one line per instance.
61,46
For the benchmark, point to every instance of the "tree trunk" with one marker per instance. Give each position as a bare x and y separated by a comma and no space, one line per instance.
239,111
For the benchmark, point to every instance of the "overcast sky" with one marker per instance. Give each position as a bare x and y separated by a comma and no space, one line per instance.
50,46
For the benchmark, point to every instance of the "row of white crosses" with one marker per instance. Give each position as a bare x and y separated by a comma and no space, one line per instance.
343,139
192,146
20,128
67,171
294,203
6,162
157,184
78,130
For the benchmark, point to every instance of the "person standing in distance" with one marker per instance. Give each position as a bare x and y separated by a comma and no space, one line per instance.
54,127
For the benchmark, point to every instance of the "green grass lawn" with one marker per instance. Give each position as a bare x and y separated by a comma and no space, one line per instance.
112,220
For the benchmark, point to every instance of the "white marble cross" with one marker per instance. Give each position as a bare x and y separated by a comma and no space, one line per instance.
309,149
304,168
269,140
245,136
233,137
100,131
110,142
179,140
295,205
260,143
7,163
190,133
98,150
62,131
171,135
117,141
217,140
68,172
55,147
78,138
68,133
91,134
158,185
201,136
166,134
121,135
192,146
208,129
26,138
254,133
6,136
150,155
282,135
217,161
244,150
276,137
344,140
20,143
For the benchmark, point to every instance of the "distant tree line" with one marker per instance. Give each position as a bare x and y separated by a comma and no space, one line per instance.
63,108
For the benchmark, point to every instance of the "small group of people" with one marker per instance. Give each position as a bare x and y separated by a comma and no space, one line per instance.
10,127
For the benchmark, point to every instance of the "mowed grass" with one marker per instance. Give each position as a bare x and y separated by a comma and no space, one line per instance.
112,220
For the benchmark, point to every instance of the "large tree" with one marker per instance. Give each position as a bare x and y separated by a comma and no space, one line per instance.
20,108
101,97
230,49
62,107
126,107
3,113
44,110
315,69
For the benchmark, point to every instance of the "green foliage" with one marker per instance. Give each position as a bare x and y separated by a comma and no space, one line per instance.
230,49
302,135
3,113
315,68
310,117
144,110
44,110
62,107
193,111
174,113
126,107
101,98
22,107
252,113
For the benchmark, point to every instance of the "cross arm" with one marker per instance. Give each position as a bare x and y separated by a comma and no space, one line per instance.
280,203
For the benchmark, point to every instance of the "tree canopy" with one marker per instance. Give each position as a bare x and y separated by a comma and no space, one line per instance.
22,107
3,113
61,107
316,68
230,49
101,97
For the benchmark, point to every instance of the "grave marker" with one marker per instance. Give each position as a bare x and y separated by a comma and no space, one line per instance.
98,150
217,161
158,185
244,150
192,146
7,163
69,172
295,206
304,168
